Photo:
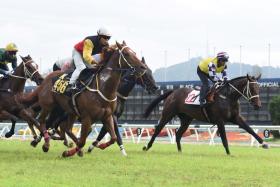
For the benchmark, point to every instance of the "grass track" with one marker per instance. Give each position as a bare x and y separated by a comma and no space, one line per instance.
198,165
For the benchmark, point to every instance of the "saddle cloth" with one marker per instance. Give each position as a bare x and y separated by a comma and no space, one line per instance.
193,98
60,84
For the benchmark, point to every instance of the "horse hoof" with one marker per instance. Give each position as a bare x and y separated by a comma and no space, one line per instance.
90,148
123,152
265,146
8,134
71,144
145,148
45,148
80,153
65,154
102,146
33,143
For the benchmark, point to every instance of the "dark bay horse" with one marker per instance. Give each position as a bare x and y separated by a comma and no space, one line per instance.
127,83
224,109
96,102
11,89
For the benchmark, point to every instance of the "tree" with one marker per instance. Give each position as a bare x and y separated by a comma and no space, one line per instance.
274,109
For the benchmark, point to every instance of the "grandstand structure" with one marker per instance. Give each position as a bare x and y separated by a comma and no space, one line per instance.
138,101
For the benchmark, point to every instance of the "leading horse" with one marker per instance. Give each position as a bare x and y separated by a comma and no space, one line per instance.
224,109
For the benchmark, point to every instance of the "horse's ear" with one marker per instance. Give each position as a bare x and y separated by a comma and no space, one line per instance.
22,58
143,60
248,77
119,45
124,42
259,76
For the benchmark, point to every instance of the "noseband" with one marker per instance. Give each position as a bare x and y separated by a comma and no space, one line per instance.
246,91
27,73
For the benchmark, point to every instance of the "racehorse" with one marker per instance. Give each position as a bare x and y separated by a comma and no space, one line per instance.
57,118
225,108
92,104
128,82
11,90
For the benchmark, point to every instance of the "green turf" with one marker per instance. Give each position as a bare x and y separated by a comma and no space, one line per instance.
198,165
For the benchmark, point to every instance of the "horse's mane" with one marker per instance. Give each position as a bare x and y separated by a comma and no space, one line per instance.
237,78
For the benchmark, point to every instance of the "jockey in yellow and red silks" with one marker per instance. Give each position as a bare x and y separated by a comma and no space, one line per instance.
84,52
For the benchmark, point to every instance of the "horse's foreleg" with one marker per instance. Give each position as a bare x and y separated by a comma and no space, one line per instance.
42,120
109,124
119,138
86,125
242,124
5,115
100,136
221,129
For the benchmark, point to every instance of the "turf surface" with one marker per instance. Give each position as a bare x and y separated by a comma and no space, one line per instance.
198,165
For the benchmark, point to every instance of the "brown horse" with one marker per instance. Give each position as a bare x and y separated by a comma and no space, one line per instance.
58,118
224,109
96,102
11,90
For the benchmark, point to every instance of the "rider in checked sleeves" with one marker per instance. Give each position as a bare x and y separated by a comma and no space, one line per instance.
8,55
207,69
84,53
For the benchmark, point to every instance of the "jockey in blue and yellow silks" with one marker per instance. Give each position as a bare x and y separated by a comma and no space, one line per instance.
8,55
207,69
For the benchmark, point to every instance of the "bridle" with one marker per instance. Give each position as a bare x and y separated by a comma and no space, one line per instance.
27,73
121,56
246,93
130,66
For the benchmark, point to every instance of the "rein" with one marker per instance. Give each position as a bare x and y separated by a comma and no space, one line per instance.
121,56
27,74
246,91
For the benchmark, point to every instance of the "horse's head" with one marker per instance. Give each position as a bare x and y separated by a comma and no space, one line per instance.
30,69
252,91
147,81
128,59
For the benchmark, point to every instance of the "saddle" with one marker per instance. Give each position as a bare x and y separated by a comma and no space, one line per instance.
193,97
61,83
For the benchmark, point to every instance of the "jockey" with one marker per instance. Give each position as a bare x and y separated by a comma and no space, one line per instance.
63,64
207,69
8,55
83,51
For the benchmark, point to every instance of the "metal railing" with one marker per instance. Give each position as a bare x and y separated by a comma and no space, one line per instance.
135,132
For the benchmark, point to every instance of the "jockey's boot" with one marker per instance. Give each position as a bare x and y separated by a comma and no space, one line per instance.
72,88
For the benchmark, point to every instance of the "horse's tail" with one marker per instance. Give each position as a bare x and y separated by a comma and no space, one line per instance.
155,102
29,98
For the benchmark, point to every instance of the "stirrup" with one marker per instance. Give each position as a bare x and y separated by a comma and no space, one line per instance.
203,103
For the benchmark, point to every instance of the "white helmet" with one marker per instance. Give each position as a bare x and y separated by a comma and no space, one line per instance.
104,32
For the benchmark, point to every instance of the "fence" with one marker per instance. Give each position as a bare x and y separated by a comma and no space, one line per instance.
139,132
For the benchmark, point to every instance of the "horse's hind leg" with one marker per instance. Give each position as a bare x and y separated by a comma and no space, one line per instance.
221,129
165,118
185,122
